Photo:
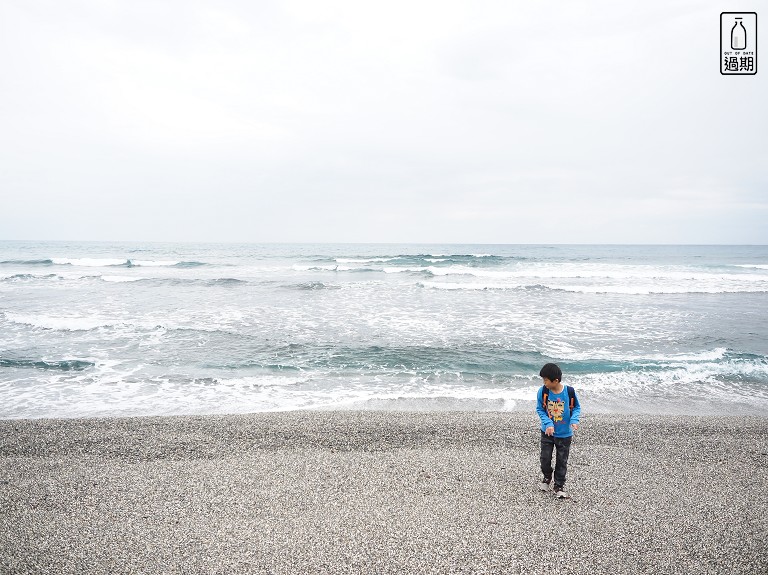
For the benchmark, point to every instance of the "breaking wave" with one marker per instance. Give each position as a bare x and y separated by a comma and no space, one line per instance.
104,262
62,365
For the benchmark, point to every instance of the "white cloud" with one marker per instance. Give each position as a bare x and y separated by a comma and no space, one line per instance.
307,121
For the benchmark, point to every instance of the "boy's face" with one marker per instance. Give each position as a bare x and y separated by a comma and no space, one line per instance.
549,384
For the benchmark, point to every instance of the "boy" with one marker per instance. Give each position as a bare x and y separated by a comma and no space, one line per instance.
559,411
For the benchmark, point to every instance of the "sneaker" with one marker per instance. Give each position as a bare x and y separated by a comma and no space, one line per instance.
544,485
560,492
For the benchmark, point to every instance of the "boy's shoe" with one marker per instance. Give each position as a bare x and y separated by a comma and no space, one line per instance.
545,484
560,492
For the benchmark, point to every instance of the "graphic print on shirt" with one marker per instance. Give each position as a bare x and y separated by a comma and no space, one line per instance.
555,410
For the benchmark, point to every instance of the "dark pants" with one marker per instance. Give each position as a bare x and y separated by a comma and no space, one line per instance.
563,446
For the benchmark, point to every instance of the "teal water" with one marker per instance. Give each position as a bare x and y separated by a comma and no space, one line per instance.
100,329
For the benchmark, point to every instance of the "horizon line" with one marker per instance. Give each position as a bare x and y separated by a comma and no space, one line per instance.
325,242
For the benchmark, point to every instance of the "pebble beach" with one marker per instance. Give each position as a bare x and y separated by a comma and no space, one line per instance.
380,492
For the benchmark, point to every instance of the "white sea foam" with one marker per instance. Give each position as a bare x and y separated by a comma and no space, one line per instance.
90,262
61,322
256,381
590,278
537,271
327,267
111,262
420,394
753,266
398,270
221,320
151,263
113,391
662,289
700,381
121,279
463,286
655,289
29,277
107,394
626,289
362,261
712,355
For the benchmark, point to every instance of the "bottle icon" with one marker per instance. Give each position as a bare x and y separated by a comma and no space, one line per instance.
738,36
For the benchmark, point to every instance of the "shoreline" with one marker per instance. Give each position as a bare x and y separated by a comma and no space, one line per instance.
380,492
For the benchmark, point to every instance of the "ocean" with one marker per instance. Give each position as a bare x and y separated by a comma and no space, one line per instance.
127,329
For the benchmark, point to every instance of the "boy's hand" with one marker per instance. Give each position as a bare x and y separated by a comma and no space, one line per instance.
549,430
574,426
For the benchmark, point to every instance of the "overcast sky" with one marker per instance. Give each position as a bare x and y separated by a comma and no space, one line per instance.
396,121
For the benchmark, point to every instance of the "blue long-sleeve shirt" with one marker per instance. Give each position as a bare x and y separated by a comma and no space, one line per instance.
558,413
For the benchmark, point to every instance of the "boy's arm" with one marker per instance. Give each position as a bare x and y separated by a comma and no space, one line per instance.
576,413
546,421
